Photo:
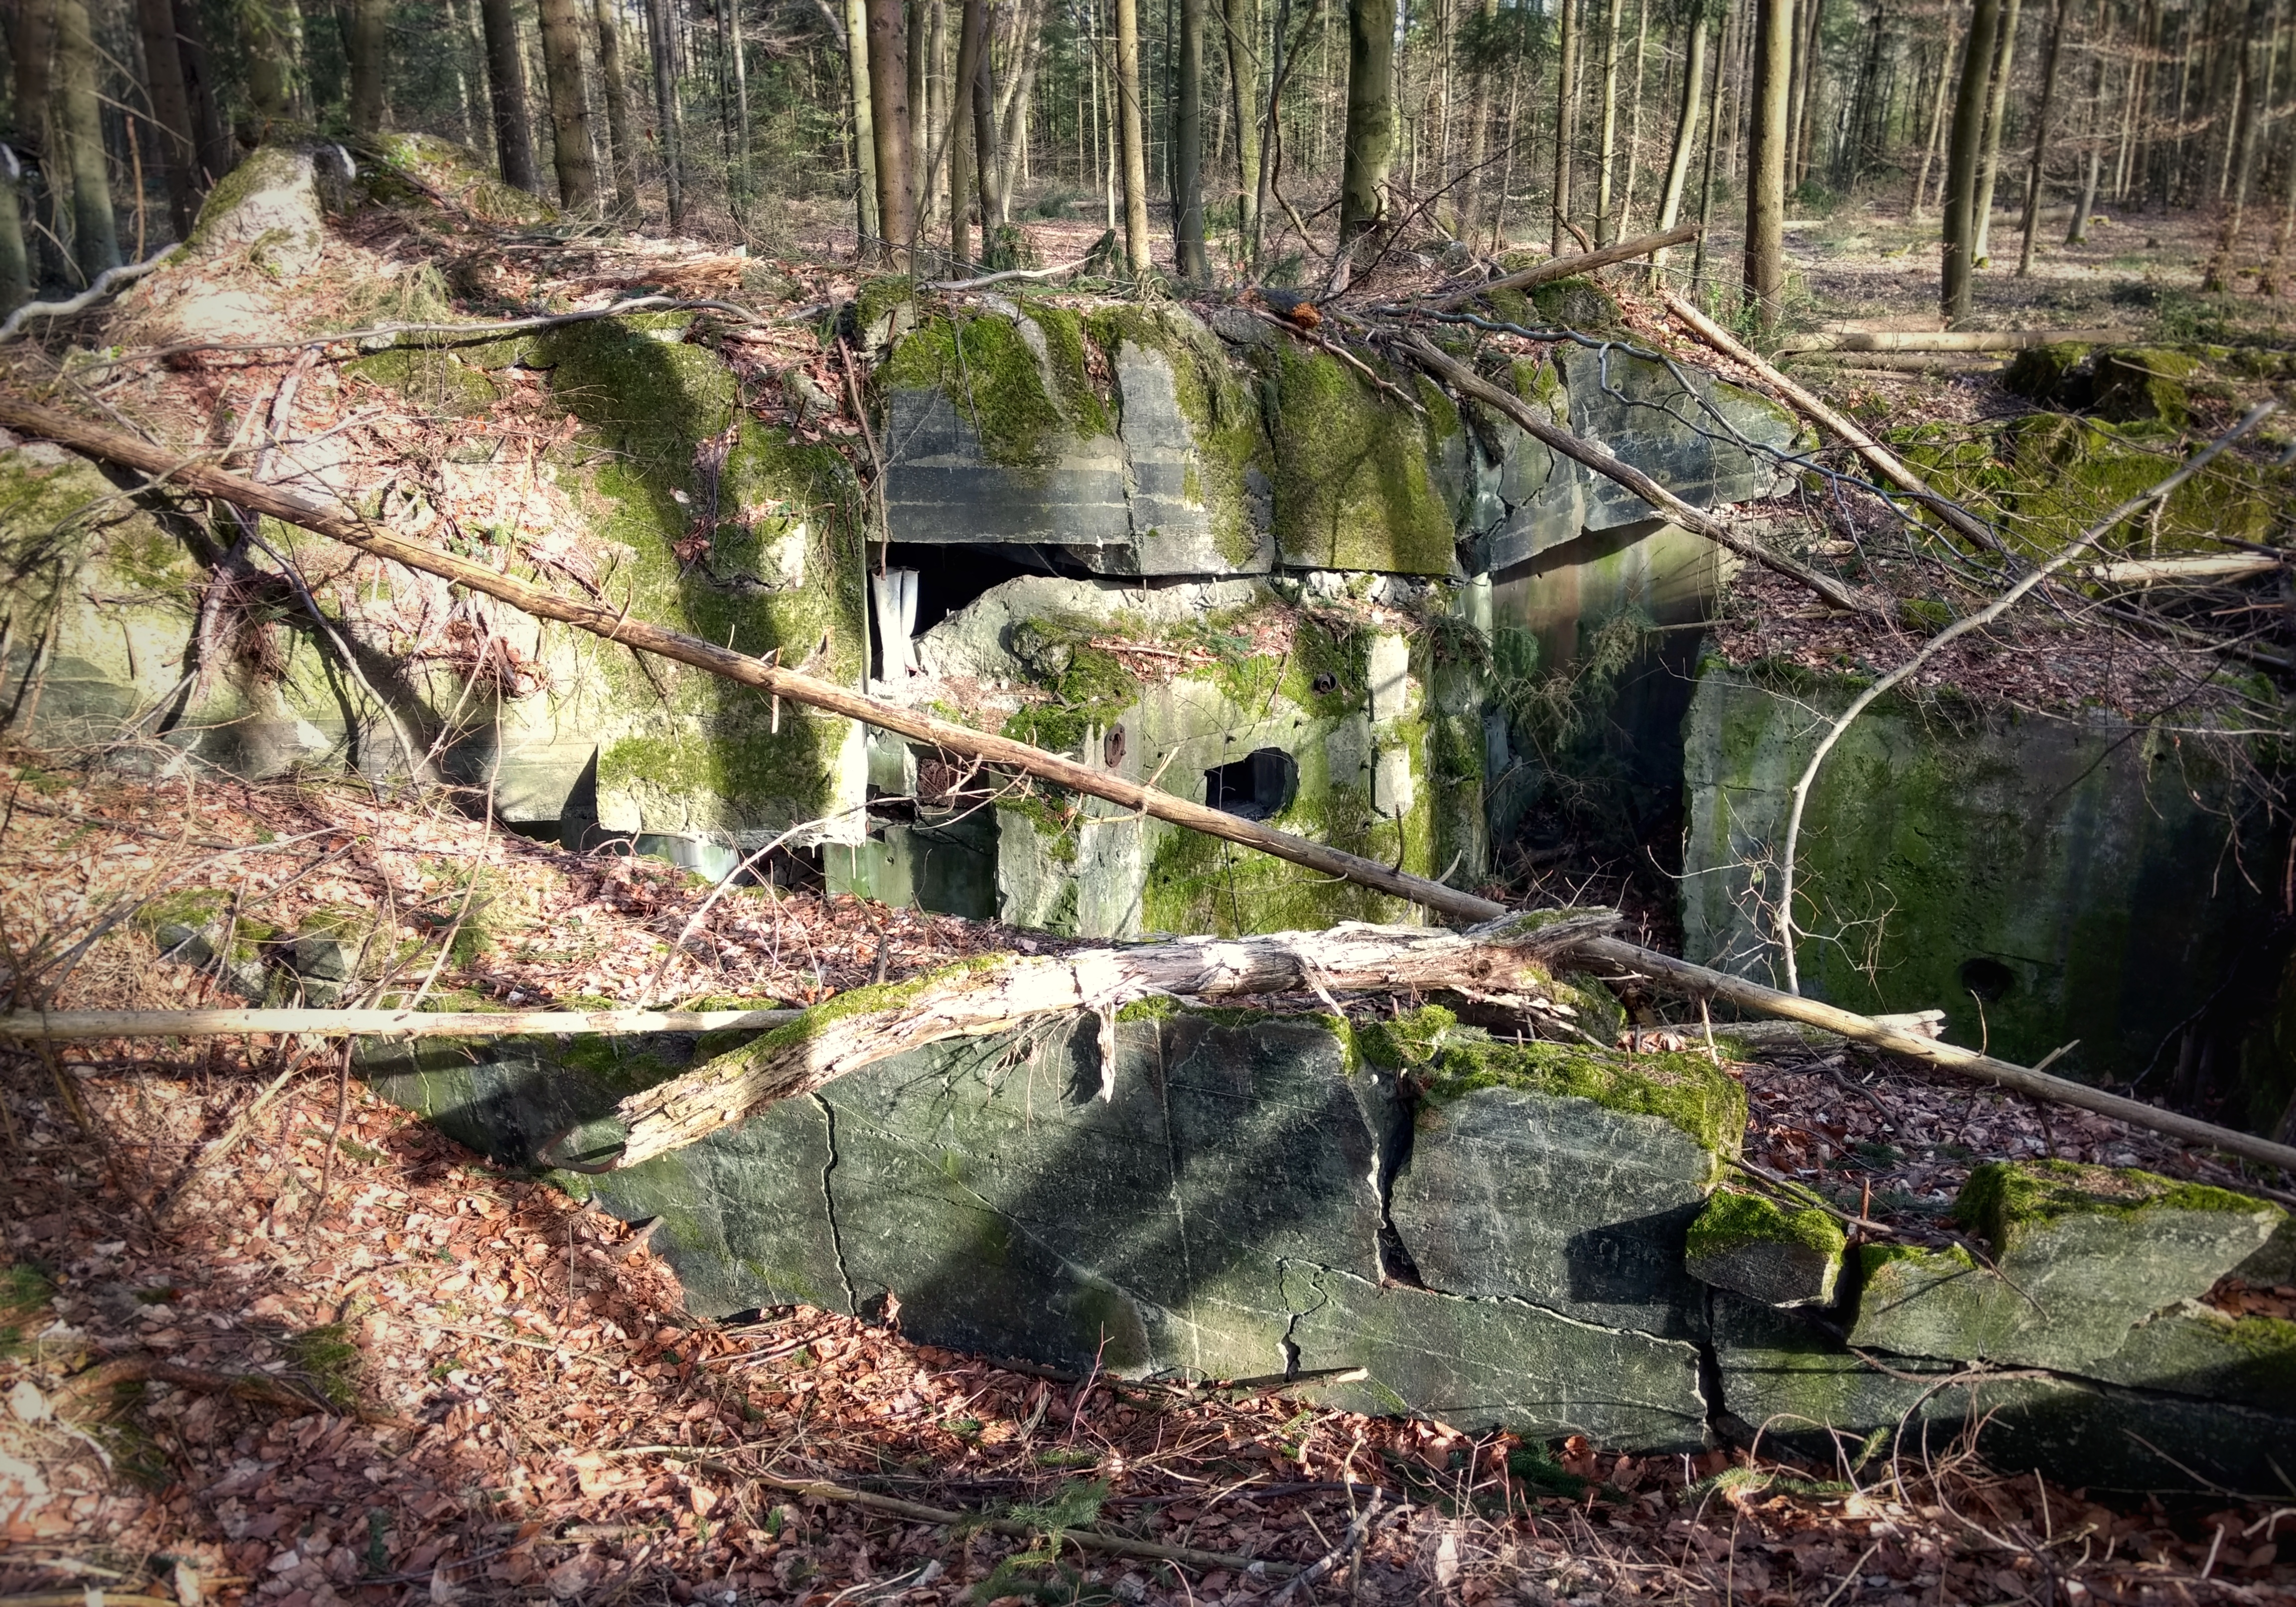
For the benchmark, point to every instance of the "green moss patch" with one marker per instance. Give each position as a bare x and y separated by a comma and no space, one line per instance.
1451,1062
986,369
1352,488
2004,1198
1731,1221
436,382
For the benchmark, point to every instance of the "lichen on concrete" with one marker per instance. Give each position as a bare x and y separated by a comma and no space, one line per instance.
1352,487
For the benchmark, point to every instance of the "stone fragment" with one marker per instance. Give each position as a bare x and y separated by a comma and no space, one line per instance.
1751,1245
1484,1364
1782,1375
2197,1349
269,207
2141,382
1559,1176
2081,1255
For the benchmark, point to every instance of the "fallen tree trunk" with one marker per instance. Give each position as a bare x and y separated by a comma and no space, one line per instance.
1945,340
1565,267
312,515
2214,566
1466,381
1886,462
871,1024
58,1026
1681,977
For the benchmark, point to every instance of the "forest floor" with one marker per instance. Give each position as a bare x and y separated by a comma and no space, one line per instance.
480,1390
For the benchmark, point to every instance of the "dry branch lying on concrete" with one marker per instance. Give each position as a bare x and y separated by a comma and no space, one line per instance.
871,1024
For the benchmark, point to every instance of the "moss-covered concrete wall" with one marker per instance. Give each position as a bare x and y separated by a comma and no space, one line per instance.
1493,1234
2042,879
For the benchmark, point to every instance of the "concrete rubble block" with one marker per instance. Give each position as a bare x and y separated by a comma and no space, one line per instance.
2081,1255
2197,1349
1559,1176
1784,1376
268,207
1679,426
1484,1364
1015,1210
1753,1247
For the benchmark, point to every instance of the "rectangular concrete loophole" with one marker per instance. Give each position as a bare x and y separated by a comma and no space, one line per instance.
1255,787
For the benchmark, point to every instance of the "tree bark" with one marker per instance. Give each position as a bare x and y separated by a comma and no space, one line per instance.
1997,113
962,171
270,64
15,263
2276,272
369,63
1937,111
919,122
1370,137
1129,124
569,105
1766,160
2077,231
624,156
665,109
1685,125
1607,158
1566,119
1191,262
95,237
1240,19
1012,142
506,91
1716,104
2037,175
209,138
986,166
2218,275
1960,254
163,76
859,85
889,119
743,171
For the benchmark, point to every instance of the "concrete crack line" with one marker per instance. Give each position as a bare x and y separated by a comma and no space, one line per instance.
829,1205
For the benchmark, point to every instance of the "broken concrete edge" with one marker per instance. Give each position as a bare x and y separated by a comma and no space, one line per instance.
2004,1201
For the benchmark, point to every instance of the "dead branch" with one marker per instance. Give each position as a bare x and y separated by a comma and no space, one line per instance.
62,1025
1886,462
1467,383
107,281
1984,339
869,1024
312,515
1563,267
1681,977
916,1512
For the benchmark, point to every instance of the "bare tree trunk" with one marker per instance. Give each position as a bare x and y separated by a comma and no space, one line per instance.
95,237
972,43
368,63
33,44
209,138
889,95
2245,138
506,88
1765,160
2077,234
1713,148
1128,122
664,44
1480,108
2037,174
1012,144
918,120
1798,88
1566,118
569,105
1960,258
1936,111
1623,225
1685,125
624,156
984,152
1241,20
163,76
270,65
866,189
2276,272
744,172
1607,159
1190,260
1370,137
1997,113
15,265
